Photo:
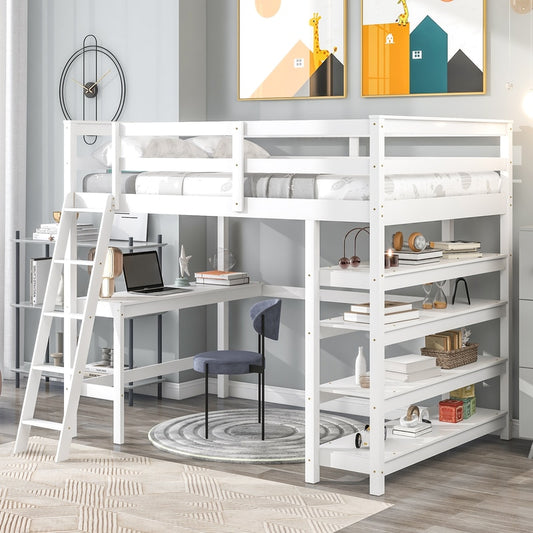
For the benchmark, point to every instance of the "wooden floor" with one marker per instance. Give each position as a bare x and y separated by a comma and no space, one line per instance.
483,487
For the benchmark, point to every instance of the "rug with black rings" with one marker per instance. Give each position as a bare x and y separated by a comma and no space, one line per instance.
235,435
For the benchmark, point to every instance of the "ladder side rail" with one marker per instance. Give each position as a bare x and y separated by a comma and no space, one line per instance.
73,382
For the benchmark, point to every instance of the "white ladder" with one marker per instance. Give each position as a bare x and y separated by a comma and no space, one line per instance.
73,367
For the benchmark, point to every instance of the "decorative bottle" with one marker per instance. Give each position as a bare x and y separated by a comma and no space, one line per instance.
360,365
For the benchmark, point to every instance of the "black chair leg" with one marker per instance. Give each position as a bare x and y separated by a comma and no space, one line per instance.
259,397
206,398
263,405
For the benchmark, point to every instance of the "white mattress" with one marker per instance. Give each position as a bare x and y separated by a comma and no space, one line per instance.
325,186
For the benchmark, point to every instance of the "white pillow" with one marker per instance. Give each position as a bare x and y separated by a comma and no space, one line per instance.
172,147
251,150
220,146
129,147
207,143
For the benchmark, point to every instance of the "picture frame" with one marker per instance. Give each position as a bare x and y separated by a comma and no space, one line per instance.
423,47
291,49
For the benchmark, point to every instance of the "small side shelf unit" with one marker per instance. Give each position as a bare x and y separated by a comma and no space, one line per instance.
19,304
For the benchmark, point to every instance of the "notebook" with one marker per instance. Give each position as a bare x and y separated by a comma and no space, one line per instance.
142,274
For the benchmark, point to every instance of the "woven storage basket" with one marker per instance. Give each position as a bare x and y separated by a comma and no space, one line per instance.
453,358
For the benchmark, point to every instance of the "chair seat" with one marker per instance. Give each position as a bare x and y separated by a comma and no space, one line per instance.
227,361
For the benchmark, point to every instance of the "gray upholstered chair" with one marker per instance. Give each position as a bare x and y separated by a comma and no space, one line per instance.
265,317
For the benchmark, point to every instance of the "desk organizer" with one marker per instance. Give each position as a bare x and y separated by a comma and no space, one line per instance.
453,358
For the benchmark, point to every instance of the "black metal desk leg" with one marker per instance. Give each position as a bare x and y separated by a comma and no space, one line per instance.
160,353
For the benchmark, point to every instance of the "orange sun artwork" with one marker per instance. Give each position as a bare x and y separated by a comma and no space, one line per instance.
267,8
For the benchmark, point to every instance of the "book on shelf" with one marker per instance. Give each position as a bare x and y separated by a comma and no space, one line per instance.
216,281
37,236
455,245
364,318
39,270
221,274
445,341
472,254
428,253
408,377
411,362
390,307
419,262
414,431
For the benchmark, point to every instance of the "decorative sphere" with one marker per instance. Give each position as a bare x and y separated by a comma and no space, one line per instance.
521,6
355,261
344,262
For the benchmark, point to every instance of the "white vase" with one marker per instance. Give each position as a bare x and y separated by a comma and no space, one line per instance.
360,365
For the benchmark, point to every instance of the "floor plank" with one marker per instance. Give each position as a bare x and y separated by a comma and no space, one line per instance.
486,485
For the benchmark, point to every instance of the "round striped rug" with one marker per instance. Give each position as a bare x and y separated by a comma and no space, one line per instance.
235,435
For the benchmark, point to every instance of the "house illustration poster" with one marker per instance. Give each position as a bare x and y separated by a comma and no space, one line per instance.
422,47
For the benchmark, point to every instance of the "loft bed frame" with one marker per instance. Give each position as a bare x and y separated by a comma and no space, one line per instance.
367,154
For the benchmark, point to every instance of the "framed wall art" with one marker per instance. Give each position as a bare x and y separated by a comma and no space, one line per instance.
292,49
422,47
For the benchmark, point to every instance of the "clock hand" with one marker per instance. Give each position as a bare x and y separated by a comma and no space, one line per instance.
101,78
89,90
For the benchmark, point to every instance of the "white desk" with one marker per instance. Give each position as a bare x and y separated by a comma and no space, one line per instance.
123,306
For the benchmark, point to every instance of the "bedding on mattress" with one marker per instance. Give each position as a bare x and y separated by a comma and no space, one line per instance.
324,186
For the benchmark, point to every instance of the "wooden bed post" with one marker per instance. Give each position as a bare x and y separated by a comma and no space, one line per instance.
312,351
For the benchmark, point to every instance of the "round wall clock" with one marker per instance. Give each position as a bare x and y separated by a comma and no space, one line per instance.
92,85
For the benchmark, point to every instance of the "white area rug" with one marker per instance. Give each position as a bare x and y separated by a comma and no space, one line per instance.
235,435
101,491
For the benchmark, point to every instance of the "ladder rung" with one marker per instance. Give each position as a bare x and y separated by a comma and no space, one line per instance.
53,369
82,262
62,314
46,424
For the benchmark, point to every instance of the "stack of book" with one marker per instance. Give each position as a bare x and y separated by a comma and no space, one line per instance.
429,255
221,277
394,312
412,431
458,249
411,367
48,231
445,341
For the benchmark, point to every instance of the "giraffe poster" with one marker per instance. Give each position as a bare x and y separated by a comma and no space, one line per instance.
292,49
422,47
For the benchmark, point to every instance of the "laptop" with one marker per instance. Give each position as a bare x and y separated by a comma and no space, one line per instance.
142,274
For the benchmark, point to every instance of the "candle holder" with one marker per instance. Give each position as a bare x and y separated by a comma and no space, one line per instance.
354,261
394,259
387,260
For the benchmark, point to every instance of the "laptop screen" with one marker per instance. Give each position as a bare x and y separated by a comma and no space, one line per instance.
142,270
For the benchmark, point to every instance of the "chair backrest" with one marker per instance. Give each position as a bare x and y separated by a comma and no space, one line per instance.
271,311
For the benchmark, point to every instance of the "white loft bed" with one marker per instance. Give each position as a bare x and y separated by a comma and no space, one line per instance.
367,154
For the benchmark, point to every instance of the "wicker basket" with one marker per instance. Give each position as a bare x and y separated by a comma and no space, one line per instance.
453,358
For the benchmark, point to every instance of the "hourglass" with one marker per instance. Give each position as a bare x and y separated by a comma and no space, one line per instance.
427,302
440,301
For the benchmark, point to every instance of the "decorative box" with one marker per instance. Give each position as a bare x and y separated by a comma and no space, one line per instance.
469,405
451,411
464,392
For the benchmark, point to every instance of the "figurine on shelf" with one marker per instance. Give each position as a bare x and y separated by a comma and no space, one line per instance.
184,259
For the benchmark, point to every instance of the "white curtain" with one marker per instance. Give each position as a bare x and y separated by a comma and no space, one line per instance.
13,90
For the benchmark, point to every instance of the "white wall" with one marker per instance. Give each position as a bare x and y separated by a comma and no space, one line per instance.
161,47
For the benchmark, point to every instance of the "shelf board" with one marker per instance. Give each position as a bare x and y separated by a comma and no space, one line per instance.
430,320
399,393
408,276
123,245
401,452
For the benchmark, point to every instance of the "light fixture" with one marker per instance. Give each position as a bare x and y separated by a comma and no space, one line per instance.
112,269
521,6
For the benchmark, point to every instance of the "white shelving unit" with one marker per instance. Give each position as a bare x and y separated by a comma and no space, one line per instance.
383,399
